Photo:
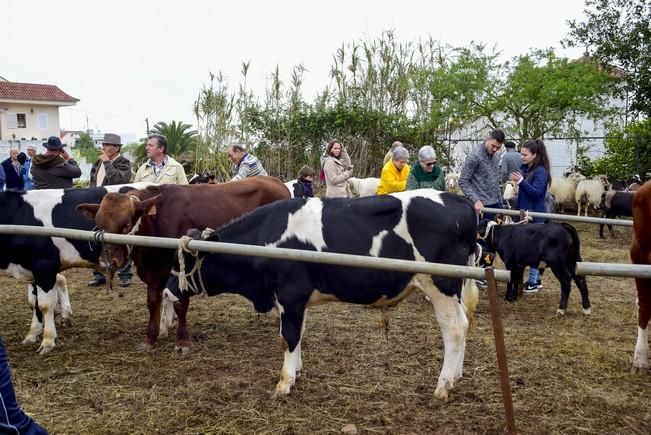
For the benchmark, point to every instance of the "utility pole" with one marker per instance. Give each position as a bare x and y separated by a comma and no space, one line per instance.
147,123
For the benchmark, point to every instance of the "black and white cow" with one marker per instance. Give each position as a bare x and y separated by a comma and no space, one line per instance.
424,225
38,260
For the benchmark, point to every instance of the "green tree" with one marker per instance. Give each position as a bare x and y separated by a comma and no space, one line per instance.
86,148
542,94
181,139
618,32
628,151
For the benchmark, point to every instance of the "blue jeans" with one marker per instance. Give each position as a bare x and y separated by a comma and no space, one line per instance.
12,418
534,275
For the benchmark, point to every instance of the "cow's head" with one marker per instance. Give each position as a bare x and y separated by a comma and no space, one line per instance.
119,213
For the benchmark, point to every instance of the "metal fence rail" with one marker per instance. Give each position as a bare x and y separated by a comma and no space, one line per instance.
614,269
437,269
561,217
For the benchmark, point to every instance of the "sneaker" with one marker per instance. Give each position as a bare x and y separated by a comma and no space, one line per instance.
125,282
97,281
531,287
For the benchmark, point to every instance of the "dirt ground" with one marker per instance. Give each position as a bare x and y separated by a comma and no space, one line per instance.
568,374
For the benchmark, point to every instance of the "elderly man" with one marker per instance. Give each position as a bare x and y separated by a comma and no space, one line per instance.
245,164
479,179
111,168
54,169
160,168
395,172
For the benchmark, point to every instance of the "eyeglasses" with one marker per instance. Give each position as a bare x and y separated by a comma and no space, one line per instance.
430,164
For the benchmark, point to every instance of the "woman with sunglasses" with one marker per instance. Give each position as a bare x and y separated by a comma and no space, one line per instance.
427,174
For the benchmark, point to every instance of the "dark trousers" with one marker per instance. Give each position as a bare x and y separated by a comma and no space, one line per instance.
125,273
12,418
491,216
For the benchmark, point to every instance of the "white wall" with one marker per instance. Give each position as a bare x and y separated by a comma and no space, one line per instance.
32,129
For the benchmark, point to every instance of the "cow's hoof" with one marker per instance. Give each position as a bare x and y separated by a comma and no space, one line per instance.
46,347
144,347
560,312
639,370
441,392
182,350
587,311
278,394
67,322
30,339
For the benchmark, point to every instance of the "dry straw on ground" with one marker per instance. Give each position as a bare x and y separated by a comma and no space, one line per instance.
569,374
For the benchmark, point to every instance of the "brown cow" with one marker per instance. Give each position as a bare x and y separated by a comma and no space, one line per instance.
641,254
169,211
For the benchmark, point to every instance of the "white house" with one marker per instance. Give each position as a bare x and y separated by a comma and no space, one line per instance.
30,111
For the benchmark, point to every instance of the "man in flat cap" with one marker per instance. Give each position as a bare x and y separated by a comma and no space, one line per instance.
109,169
55,169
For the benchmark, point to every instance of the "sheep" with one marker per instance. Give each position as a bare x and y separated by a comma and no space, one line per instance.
452,183
361,187
564,189
589,191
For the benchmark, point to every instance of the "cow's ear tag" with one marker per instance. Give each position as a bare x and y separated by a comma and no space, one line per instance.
152,210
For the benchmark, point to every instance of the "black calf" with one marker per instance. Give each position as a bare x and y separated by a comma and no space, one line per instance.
538,245
613,205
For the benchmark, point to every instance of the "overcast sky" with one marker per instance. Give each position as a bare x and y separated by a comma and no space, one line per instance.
131,60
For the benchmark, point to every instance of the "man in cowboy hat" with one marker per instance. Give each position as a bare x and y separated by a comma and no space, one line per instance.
111,168
54,169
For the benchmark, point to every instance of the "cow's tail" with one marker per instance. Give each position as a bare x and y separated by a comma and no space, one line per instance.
575,253
470,292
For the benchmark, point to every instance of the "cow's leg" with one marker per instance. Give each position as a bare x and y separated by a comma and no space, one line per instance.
578,208
154,297
565,279
453,322
64,300
583,288
182,336
47,301
641,355
36,327
168,318
292,317
515,282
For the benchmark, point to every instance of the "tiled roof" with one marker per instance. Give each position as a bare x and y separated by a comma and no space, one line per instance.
33,92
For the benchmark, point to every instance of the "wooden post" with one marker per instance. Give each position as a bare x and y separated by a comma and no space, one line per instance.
500,349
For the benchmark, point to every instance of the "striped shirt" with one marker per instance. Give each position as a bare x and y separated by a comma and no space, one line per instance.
249,166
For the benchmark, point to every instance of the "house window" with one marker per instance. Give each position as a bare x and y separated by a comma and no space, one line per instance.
21,120
16,120
42,121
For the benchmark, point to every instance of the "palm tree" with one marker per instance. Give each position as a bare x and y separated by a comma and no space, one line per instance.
180,136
